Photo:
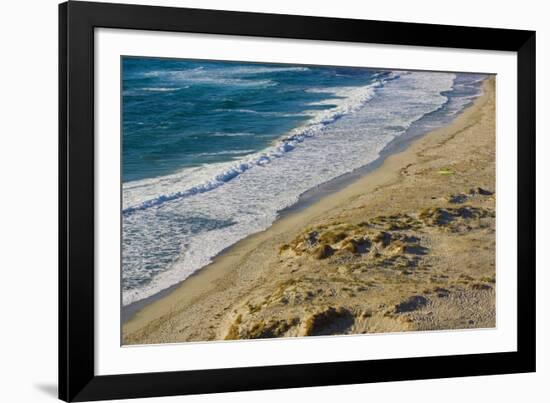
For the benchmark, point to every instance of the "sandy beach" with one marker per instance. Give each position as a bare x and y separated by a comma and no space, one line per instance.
407,247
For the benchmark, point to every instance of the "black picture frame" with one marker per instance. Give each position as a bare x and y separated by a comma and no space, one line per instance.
77,379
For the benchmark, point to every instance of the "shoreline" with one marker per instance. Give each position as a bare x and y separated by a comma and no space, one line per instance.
221,275
307,199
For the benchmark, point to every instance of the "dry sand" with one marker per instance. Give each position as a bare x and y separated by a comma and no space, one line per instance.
410,246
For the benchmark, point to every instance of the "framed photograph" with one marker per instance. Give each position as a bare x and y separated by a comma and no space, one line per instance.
257,201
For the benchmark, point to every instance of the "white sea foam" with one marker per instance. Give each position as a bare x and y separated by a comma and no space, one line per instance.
264,113
140,91
227,152
229,134
251,70
161,89
198,212
203,76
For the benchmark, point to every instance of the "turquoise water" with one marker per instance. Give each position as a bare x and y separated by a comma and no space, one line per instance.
213,151
180,114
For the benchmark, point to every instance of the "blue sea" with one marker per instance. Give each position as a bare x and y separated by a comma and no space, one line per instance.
214,151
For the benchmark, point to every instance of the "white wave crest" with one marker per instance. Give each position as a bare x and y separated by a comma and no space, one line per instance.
203,76
237,134
351,99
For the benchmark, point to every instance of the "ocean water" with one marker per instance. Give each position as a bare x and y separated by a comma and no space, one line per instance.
213,151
